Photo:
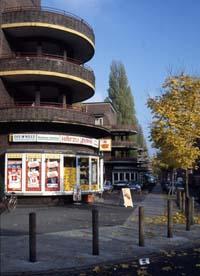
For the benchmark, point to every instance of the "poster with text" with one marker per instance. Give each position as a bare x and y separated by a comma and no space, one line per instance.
14,175
33,174
52,182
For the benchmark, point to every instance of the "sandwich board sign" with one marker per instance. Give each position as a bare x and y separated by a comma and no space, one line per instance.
128,202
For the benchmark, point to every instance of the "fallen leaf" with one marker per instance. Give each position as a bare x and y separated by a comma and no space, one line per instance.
97,269
166,268
124,265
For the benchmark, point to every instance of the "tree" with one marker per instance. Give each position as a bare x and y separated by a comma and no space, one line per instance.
176,125
119,92
141,142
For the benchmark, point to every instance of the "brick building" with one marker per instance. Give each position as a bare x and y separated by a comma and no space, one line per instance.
48,142
125,161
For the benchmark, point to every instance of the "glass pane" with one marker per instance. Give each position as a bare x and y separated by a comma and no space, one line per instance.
94,172
52,182
115,176
127,176
14,175
69,173
84,171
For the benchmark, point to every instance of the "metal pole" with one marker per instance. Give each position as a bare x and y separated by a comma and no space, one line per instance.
32,237
141,226
183,202
169,219
188,211
192,210
95,231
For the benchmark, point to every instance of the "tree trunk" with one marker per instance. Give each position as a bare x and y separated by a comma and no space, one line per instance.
186,183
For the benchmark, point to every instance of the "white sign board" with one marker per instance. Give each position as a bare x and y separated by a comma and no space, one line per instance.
50,138
128,202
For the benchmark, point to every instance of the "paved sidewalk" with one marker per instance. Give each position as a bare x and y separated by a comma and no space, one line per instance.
73,248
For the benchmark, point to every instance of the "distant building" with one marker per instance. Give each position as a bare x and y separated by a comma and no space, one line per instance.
120,163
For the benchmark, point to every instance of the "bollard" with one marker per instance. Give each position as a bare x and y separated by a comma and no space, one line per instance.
32,237
192,211
188,213
95,231
169,219
141,226
183,202
178,198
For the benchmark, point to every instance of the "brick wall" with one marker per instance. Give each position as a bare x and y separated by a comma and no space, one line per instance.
103,109
17,3
5,98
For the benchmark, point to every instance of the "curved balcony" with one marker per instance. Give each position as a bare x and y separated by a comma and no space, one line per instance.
124,145
118,160
78,78
73,118
46,113
123,129
26,22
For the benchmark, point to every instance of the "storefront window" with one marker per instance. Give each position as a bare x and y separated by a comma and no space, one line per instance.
84,171
52,179
33,174
69,173
14,175
94,172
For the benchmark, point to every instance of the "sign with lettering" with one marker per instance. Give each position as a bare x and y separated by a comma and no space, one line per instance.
50,138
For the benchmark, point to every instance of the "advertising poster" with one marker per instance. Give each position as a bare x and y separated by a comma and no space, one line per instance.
14,175
69,173
33,174
52,182
128,202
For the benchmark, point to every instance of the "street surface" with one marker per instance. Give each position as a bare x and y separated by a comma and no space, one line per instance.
64,240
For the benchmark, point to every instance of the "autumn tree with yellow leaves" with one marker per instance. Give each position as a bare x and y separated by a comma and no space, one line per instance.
175,128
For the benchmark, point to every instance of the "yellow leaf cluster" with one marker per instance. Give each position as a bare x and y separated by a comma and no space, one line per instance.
175,128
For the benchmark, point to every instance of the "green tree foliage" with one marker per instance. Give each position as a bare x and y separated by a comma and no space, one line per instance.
119,92
141,142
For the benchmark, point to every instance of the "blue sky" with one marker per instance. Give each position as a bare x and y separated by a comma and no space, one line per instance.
152,38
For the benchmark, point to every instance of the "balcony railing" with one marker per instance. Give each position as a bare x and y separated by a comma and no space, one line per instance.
123,128
124,144
15,112
14,55
121,159
47,15
46,63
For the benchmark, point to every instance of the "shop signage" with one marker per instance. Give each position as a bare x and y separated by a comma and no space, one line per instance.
105,144
46,138
128,202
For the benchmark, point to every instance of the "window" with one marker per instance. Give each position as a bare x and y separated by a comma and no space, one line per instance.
99,121
84,171
94,172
